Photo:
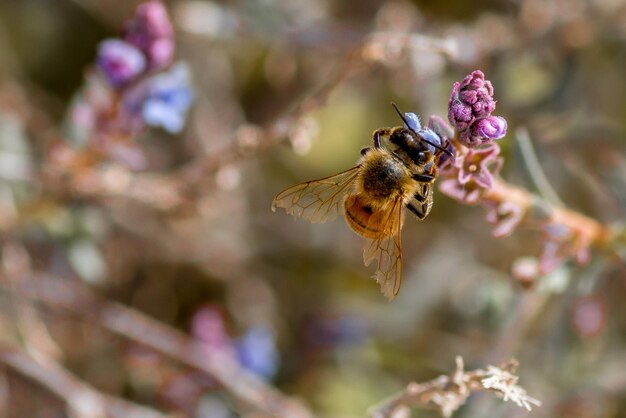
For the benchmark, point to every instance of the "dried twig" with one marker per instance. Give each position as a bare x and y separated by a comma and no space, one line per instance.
61,293
448,393
82,400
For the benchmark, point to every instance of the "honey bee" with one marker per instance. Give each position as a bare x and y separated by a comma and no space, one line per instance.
397,171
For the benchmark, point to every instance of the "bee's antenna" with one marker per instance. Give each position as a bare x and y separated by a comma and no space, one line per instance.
409,126
402,116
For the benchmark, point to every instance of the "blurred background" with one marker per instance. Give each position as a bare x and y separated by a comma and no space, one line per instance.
176,225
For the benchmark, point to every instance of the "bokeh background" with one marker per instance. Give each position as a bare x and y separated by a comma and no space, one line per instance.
290,301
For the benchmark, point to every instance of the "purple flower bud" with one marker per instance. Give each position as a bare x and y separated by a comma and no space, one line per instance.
151,31
161,53
469,111
493,127
459,114
120,62
470,99
487,129
153,18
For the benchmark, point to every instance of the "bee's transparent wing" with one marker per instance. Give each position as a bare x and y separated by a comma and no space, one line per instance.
317,200
387,251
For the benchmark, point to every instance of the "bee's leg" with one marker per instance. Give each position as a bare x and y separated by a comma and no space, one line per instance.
424,178
419,212
377,135
421,197
425,202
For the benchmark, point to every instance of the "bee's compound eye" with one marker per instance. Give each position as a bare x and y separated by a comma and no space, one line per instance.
398,137
424,157
403,139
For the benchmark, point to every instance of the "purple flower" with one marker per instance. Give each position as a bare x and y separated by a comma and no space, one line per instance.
561,242
469,194
471,172
208,326
478,165
469,111
504,216
151,31
257,352
168,98
120,62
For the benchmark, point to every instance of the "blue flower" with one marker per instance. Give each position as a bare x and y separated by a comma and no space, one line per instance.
120,62
257,353
169,96
413,121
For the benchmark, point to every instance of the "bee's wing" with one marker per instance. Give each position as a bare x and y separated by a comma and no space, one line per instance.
317,200
387,251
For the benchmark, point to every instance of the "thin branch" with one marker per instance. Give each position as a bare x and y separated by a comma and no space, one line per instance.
533,168
61,293
391,46
598,234
448,393
82,400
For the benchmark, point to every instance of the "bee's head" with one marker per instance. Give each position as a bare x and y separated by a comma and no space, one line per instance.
412,144
428,139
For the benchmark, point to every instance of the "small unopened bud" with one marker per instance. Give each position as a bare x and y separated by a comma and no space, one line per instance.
487,129
120,62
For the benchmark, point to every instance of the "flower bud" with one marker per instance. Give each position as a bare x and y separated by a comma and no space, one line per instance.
120,62
484,130
470,99
151,31
469,111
